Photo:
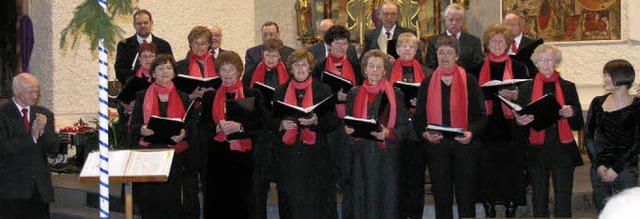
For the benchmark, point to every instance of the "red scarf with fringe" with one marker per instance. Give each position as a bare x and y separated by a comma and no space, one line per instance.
364,98
458,109
485,76
209,66
219,112
261,70
307,136
175,109
564,130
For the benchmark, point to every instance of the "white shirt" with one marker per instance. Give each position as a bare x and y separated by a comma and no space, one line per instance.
517,42
140,39
457,35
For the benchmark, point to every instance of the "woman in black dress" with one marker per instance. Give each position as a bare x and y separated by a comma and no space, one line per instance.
451,97
412,155
306,182
613,133
553,152
375,164
161,200
228,191
503,178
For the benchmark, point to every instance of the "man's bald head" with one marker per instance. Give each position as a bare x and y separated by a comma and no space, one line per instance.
26,89
324,26
216,36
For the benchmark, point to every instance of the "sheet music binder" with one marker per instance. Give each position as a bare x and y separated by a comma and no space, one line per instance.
336,82
188,83
544,110
363,127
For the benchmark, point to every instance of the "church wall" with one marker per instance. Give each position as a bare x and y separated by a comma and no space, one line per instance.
69,77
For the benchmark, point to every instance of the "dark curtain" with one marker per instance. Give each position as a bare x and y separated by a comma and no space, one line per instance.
8,42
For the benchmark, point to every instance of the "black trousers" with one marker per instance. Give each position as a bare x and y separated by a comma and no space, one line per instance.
453,166
32,208
562,187
412,164
627,178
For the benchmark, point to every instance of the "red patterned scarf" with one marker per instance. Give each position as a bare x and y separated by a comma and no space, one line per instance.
307,136
361,105
458,98
485,76
396,71
175,108
261,70
219,112
209,66
564,130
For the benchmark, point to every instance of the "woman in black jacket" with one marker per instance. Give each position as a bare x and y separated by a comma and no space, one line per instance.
553,152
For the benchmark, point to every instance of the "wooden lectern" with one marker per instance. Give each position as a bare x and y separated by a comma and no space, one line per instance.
129,166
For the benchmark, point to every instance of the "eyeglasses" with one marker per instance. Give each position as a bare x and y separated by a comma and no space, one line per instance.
272,56
374,67
200,44
444,53
303,66
407,46
168,68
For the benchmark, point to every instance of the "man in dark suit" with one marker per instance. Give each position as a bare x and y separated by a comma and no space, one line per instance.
379,38
26,136
216,41
515,20
126,56
470,46
254,54
320,51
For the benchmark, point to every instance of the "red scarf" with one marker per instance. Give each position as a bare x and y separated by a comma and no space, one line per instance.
209,67
458,98
485,76
361,105
175,109
218,112
261,70
396,71
347,72
564,130
307,136
144,72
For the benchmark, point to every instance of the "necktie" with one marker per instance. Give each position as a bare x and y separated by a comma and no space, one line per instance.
388,34
25,119
213,54
514,48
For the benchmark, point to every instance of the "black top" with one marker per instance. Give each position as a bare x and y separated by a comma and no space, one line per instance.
327,120
126,54
371,40
253,57
616,134
270,78
355,65
498,127
553,153
400,128
137,116
477,118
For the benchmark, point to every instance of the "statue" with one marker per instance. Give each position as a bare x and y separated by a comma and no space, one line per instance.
304,18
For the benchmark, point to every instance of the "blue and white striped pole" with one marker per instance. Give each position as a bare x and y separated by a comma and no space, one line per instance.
103,122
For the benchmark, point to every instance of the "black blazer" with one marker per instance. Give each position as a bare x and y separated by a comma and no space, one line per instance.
470,51
253,57
371,40
126,54
319,53
524,42
22,161
401,129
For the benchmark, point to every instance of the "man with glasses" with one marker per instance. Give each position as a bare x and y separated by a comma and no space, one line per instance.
253,57
379,38
470,49
127,63
216,41
320,51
